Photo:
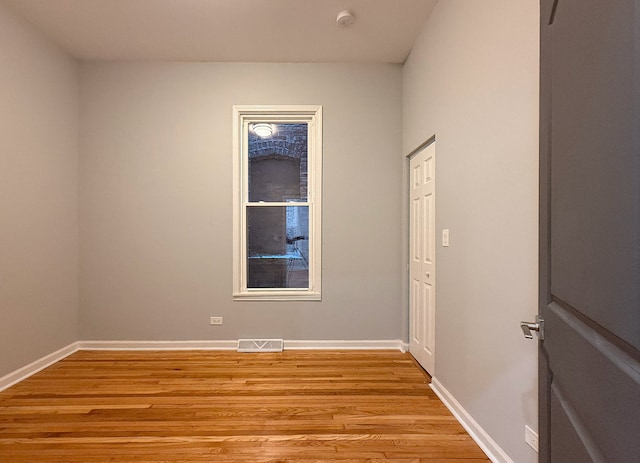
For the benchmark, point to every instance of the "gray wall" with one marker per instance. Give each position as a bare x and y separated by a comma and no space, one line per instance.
38,196
472,80
156,204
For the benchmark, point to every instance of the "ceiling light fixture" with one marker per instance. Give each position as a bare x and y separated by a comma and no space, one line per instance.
263,130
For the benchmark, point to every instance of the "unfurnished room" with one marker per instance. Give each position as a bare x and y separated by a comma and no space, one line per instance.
319,231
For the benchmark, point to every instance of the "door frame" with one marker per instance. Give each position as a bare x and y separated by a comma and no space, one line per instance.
544,223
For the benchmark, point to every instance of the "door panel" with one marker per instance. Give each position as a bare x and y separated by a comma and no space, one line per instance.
596,384
590,231
428,302
594,167
569,448
427,236
416,302
422,261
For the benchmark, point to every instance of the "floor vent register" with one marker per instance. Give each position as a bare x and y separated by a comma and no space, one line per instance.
260,345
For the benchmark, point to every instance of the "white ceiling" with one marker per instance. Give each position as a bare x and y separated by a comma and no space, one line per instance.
229,30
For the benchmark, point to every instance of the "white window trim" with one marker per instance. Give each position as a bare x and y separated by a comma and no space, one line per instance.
243,115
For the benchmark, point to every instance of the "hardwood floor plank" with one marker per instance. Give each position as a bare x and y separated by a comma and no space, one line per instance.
193,406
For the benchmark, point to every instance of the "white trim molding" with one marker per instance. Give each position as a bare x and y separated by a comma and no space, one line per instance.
245,116
479,435
344,345
158,345
34,367
233,345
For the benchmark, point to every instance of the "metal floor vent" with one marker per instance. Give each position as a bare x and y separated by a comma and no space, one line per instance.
260,345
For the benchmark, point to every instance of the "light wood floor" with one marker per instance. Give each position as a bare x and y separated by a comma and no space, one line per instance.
204,406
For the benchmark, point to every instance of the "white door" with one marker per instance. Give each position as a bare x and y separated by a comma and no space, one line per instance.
422,257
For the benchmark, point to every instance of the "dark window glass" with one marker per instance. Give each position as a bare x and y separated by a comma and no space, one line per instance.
278,247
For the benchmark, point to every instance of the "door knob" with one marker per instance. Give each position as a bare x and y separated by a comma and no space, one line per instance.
528,327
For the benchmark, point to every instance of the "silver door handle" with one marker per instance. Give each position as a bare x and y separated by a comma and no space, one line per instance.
528,327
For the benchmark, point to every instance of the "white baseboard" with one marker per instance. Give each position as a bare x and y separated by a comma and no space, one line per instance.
42,363
233,345
479,435
158,345
23,373
344,345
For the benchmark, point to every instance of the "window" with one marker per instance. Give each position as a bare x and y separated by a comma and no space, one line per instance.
277,202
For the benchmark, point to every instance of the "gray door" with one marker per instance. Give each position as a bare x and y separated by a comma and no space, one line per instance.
590,231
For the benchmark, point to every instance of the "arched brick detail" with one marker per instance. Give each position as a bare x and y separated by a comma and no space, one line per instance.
289,141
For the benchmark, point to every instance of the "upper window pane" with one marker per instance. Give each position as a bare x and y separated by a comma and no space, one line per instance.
278,162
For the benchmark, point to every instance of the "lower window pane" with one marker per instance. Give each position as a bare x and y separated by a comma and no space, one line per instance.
278,247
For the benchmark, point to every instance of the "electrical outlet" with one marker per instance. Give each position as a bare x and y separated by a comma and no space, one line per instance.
215,321
531,438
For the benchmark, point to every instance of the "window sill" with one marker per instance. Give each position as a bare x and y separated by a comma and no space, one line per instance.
277,296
